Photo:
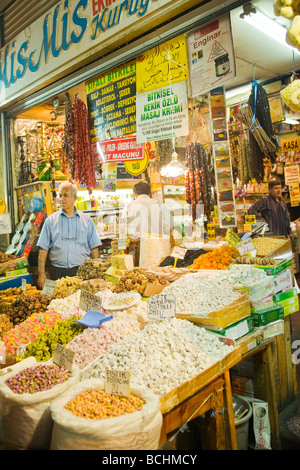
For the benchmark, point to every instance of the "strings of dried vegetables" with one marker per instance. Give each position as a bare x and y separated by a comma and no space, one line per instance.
243,162
198,178
259,104
78,145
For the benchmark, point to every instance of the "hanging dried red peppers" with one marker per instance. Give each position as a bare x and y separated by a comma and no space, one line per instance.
198,179
79,153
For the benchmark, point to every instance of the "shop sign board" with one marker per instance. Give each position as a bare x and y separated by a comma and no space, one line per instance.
73,34
162,113
111,103
290,145
118,150
166,63
211,55
291,174
294,190
137,167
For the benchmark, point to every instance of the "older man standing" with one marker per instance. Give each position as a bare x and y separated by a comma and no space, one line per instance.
68,236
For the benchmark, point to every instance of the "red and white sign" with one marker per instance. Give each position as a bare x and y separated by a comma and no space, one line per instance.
118,150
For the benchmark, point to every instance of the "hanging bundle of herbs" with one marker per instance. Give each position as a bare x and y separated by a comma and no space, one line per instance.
262,138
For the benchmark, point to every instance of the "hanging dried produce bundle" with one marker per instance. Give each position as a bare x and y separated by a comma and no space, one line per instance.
259,104
198,179
246,170
163,152
79,152
260,144
69,136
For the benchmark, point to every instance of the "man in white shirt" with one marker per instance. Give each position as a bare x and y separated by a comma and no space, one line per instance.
144,215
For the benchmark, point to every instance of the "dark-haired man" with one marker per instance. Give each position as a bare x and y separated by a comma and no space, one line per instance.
274,211
146,215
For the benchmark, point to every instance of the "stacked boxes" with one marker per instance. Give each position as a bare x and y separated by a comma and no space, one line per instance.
284,300
287,300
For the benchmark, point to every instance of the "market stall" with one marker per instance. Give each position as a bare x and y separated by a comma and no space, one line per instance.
181,333
163,328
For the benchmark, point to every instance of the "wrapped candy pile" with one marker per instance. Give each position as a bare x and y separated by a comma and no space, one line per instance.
94,342
27,331
200,294
163,355
44,345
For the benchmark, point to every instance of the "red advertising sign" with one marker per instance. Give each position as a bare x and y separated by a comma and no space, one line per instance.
118,150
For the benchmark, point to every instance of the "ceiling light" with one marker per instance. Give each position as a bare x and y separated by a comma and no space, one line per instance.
174,168
238,91
268,26
291,121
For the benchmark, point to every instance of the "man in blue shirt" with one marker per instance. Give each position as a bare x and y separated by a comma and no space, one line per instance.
68,236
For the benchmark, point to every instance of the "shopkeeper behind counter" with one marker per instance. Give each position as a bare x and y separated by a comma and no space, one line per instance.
274,211
68,236
145,215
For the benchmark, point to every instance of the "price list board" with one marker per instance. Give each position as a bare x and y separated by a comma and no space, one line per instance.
111,100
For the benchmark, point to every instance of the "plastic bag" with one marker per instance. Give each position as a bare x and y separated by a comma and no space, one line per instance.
133,431
26,418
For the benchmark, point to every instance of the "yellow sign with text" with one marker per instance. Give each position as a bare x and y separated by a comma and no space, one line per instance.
162,65
137,167
290,145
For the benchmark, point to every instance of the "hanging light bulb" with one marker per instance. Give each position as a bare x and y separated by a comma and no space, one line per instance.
174,168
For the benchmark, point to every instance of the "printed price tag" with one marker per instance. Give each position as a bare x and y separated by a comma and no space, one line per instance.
232,238
117,382
24,283
63,357
89,301
179,252
122,227
161,306
49,287
246,247
121,243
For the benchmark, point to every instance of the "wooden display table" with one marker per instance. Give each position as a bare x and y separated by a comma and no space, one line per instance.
210,393
213,400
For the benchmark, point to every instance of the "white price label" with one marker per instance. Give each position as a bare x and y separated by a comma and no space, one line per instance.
117,382
89,301
63,357
24,283
49,287
161,306
179,252
121,243
246,247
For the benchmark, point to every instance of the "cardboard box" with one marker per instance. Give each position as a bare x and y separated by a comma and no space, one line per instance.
260,291
273,329
283,281
277,268
16,272
291,308
264,305
285,295
18,263
242,385
153,289
268,316
287,302
237,330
